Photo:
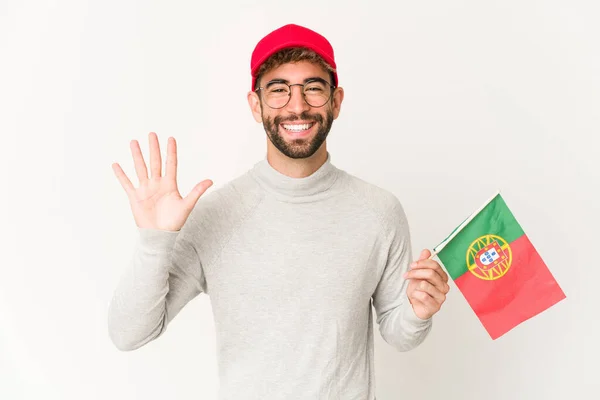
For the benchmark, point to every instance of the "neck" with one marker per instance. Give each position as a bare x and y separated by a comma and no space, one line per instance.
307,188
296,168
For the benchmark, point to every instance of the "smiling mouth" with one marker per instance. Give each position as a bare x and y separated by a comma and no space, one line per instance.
297,128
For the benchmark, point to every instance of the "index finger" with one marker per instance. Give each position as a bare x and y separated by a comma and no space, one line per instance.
430,264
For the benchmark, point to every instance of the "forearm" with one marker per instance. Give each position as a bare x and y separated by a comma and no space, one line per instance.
137,312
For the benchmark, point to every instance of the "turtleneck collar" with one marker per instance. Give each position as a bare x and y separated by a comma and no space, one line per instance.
295,189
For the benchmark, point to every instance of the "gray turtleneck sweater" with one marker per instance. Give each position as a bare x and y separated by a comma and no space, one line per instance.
290,266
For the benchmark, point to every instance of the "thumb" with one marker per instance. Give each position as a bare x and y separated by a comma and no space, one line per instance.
425,254
192,198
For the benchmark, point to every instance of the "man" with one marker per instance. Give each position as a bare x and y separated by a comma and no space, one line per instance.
291,252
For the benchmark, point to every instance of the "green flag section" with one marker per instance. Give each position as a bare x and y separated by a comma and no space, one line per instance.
497,269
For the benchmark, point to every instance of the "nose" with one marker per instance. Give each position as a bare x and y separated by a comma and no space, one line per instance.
297,104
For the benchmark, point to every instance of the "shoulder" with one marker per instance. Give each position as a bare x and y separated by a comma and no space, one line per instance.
219,213
380,201
228,202
223,208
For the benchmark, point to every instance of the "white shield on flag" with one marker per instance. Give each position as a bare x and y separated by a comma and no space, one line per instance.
489,256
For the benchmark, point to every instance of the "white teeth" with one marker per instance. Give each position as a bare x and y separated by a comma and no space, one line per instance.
296,127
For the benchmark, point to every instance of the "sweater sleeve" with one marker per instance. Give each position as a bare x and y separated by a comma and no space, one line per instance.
164,274
398,324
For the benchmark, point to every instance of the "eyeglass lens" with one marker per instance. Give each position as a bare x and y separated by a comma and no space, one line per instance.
278,94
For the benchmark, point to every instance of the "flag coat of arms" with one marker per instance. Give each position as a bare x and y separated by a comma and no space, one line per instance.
497,269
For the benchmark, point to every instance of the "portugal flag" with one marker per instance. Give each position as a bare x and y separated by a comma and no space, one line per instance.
497,269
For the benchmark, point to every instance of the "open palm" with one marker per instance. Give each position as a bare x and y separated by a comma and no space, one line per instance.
157,203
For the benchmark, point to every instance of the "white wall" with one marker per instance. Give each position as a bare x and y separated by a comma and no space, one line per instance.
430,86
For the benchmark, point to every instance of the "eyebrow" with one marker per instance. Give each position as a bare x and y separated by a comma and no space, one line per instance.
310,79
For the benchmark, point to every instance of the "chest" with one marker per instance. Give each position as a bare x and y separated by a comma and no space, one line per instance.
328,256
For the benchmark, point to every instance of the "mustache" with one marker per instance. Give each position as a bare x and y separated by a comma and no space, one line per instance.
305,116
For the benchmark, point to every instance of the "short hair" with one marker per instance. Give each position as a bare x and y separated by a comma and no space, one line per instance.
293,55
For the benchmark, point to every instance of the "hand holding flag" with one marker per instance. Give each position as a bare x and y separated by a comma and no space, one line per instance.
428,286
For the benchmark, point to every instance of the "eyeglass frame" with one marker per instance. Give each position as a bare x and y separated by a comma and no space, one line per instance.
306,82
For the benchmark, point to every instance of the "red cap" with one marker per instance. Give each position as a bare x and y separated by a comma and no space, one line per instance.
291,36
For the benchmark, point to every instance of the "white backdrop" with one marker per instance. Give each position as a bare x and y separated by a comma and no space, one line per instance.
445,103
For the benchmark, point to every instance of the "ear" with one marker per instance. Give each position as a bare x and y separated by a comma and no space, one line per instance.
255,106
338,97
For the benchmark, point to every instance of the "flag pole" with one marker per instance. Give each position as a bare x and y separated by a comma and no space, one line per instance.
439,247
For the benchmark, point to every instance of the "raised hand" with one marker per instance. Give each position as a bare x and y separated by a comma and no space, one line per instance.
427,287
156,203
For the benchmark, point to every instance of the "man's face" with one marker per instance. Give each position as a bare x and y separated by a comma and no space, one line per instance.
297,130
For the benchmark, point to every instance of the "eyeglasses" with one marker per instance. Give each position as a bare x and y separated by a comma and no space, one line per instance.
316,92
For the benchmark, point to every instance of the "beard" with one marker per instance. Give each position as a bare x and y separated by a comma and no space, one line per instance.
303,147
